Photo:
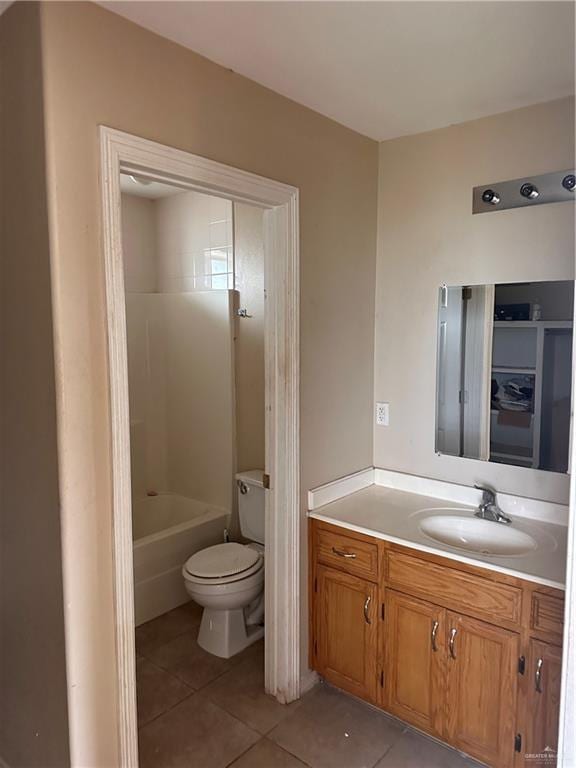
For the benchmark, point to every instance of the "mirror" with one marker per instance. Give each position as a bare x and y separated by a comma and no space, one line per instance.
504,373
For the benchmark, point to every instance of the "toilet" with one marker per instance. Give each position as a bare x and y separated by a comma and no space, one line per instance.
228,579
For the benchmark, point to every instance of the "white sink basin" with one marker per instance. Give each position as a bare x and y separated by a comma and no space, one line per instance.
476,535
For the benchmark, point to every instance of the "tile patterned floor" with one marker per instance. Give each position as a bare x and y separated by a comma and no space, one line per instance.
198,711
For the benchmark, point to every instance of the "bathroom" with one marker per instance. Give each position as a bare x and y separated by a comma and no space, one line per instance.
194,287
498,388
407,403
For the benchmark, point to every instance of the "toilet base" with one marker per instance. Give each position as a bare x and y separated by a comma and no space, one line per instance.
224,633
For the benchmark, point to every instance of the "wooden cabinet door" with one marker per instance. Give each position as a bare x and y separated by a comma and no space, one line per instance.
415,661
346,632
482,669
543,672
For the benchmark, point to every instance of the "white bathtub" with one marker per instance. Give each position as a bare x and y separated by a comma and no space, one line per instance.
167,529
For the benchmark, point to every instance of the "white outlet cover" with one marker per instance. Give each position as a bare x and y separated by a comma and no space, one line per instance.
382,414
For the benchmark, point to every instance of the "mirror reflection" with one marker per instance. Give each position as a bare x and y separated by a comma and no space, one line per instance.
504,373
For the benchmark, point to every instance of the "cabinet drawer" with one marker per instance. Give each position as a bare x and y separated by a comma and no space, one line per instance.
454,589
547,614
354,556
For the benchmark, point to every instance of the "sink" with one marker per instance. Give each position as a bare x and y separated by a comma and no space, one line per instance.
476,535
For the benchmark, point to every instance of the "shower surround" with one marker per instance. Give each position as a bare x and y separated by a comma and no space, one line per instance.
181,388
179,270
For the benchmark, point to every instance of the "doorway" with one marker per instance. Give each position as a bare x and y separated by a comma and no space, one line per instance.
122,153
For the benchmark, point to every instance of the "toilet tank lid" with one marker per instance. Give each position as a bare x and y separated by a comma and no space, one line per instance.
251,477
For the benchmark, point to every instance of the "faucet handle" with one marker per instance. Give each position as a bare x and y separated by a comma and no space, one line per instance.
489,493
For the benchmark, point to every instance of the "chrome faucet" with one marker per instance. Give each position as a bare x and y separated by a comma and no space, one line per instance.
488,508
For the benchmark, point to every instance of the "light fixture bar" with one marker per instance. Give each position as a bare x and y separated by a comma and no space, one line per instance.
556,187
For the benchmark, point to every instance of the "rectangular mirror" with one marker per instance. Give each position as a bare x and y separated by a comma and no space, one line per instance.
504,373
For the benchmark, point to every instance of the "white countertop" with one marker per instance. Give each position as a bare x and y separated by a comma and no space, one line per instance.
394,516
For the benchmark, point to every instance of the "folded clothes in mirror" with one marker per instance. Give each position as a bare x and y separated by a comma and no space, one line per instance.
514,394
514,418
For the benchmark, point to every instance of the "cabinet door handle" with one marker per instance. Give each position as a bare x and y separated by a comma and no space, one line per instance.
538,675
367,618
433,636
341,553
453,633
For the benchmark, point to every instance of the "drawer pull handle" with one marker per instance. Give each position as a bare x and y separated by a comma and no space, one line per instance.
453,633
367,618
538,676
433,636
341,553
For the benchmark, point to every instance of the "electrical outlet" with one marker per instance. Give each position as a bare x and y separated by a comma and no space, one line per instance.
382,414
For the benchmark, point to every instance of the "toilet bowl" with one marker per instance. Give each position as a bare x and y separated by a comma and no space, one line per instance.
227,580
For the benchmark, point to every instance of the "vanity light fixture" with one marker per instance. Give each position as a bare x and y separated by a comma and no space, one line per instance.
491,197
555,187
529,191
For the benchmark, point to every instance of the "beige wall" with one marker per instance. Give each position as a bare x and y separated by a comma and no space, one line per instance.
33,706
249,347
428,236
99,68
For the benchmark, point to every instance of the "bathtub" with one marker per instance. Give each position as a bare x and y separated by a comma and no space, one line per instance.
167,529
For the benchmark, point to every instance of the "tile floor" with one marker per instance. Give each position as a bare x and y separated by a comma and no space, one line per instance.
198,711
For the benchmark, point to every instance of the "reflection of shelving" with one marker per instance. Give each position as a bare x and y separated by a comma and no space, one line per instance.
532,323
512,369
509,454
513,451
511,458
518,352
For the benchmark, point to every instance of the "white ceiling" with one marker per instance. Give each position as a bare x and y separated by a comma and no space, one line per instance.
385,69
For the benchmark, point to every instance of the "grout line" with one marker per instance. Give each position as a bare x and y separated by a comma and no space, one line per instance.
160,645
386,751
204,685
170,674
161,714
178,677
285,749
248,727
231,763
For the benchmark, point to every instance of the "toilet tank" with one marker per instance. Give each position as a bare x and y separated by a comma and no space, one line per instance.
251,509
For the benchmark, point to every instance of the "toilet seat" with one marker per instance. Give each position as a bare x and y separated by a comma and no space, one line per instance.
223,564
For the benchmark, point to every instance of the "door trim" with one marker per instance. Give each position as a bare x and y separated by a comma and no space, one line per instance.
567,734
122,151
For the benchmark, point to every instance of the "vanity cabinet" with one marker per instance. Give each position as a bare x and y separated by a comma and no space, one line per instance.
482,672
414,652
461,652
346,631
543,670
451,676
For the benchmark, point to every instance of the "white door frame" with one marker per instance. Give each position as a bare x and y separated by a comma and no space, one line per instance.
122,151
567,735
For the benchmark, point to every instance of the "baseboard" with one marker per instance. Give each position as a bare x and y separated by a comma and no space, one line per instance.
337,489
307,681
